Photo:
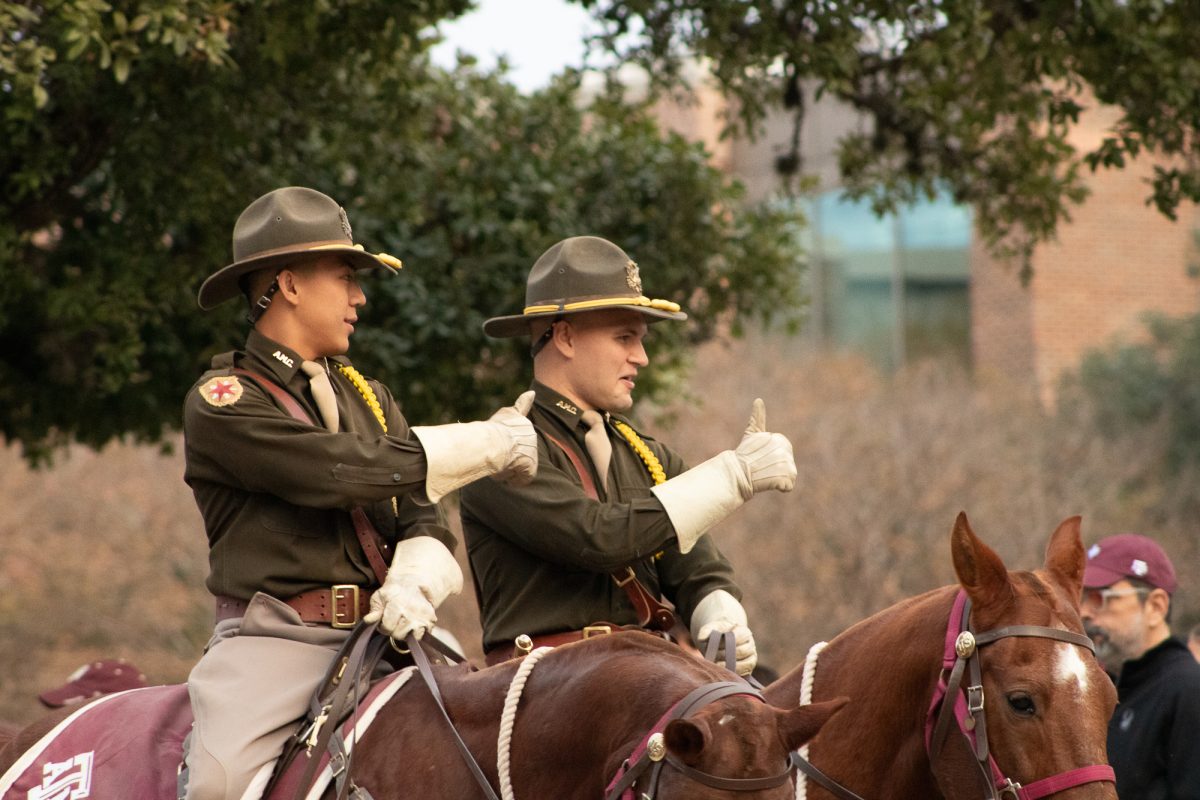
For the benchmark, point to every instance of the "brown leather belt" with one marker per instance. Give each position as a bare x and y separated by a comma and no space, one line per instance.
504,652
340,606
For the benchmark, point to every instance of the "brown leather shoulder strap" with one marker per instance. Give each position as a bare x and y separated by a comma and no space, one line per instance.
373,545
650,612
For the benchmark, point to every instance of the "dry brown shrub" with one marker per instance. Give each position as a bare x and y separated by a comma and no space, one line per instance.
104,556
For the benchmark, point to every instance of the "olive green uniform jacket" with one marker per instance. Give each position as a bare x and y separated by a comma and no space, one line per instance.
542,554
276,493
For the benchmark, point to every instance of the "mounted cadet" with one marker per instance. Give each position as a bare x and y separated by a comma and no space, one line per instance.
308,479
614,521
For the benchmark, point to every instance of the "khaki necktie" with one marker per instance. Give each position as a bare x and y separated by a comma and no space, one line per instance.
597,444
322,392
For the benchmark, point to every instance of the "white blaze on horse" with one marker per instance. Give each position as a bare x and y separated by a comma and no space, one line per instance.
987,689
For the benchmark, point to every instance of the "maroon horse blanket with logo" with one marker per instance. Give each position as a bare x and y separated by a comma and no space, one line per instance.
130,745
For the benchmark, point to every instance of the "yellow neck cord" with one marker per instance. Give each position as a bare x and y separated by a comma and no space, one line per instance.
653,465
368,394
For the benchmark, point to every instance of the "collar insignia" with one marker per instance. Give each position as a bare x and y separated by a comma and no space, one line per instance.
288,360
633,276
221,391
565,406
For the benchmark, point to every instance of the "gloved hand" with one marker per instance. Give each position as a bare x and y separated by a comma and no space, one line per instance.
422,575
706,494
457,454
719,612
766,457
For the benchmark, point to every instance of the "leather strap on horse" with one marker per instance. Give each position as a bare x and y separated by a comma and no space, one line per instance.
650,612
373,545
426,672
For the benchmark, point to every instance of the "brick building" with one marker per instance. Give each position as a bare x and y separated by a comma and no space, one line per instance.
919,283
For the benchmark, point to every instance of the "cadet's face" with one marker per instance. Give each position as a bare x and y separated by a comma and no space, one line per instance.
329,301
608,354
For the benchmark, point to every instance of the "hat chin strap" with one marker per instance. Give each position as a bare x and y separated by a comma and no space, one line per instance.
545,338
260,306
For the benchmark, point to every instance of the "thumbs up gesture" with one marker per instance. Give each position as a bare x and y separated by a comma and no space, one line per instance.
766,457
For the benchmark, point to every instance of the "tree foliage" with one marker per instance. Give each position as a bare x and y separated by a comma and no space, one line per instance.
135,132
976,95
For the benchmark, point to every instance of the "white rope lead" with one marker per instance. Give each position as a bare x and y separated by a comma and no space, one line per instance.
509,716
806,685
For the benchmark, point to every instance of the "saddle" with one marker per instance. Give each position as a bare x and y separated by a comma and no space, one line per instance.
131,745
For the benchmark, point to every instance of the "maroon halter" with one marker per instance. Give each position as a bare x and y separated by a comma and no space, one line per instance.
962,654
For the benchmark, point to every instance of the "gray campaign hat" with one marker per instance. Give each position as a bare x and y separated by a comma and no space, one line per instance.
282,227
583,273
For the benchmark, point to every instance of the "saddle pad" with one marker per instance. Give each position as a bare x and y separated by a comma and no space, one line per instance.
118,746
352,730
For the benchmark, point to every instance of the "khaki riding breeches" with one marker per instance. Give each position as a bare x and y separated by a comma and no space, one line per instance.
249,691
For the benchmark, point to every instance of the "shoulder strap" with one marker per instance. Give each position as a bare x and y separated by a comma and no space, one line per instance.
373,545
650,612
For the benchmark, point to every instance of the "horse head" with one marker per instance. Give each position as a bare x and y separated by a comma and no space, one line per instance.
1046,701
738,745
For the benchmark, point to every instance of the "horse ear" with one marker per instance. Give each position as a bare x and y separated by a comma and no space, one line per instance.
1064,558
687,738
802,723
980,571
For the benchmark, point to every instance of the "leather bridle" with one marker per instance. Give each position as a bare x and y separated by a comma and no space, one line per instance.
951,700
641,771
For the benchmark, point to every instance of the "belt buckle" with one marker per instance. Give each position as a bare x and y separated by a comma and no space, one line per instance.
337,619
596,630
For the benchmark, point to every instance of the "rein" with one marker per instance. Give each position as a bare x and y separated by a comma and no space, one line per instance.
966,706
651,753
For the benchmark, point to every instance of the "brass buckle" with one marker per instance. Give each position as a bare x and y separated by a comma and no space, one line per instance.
337,619
596,630
629,576
1010,789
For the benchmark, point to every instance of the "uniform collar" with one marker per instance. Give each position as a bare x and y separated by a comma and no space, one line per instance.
557,405
281,361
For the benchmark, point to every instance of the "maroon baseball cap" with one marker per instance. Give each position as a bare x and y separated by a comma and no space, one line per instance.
1128,555
94,679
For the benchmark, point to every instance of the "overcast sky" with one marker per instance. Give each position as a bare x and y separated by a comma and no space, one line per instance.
540,38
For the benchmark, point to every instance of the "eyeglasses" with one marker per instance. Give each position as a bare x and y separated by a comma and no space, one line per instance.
1098,598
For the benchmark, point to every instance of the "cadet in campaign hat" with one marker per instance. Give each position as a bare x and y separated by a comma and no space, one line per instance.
615,521
583,273
282,227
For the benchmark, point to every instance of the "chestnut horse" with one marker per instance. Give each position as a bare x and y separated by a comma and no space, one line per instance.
586,714
1045,700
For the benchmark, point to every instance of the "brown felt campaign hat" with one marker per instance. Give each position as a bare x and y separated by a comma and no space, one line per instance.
282,227
583,273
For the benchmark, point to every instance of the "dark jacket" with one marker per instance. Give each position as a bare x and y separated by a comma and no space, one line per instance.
541,554
275,493
1154,735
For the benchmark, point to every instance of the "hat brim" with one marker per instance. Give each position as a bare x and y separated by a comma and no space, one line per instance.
1097,577
518,324
223,285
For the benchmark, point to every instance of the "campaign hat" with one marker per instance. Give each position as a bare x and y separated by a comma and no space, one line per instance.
282,227
580,274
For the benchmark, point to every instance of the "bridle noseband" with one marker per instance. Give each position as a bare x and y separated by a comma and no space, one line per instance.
965,704
651,753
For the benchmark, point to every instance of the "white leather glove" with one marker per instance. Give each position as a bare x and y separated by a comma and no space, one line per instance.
709,492
719,612
422,575
504,445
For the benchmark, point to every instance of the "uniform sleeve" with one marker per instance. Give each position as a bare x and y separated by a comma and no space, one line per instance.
260,448
685,578
553,519
1183,745
412,519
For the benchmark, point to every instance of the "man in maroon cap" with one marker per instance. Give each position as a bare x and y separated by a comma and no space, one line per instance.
1126,609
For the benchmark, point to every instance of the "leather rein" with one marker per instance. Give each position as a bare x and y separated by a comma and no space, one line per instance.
642,770
965,705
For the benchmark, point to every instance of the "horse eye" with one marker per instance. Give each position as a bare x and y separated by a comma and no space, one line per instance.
1022,704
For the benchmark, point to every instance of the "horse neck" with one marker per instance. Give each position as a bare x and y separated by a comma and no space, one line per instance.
888,666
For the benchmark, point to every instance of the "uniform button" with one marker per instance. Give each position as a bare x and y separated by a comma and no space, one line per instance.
396,477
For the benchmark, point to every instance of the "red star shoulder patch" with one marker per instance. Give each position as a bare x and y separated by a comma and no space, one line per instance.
221,391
